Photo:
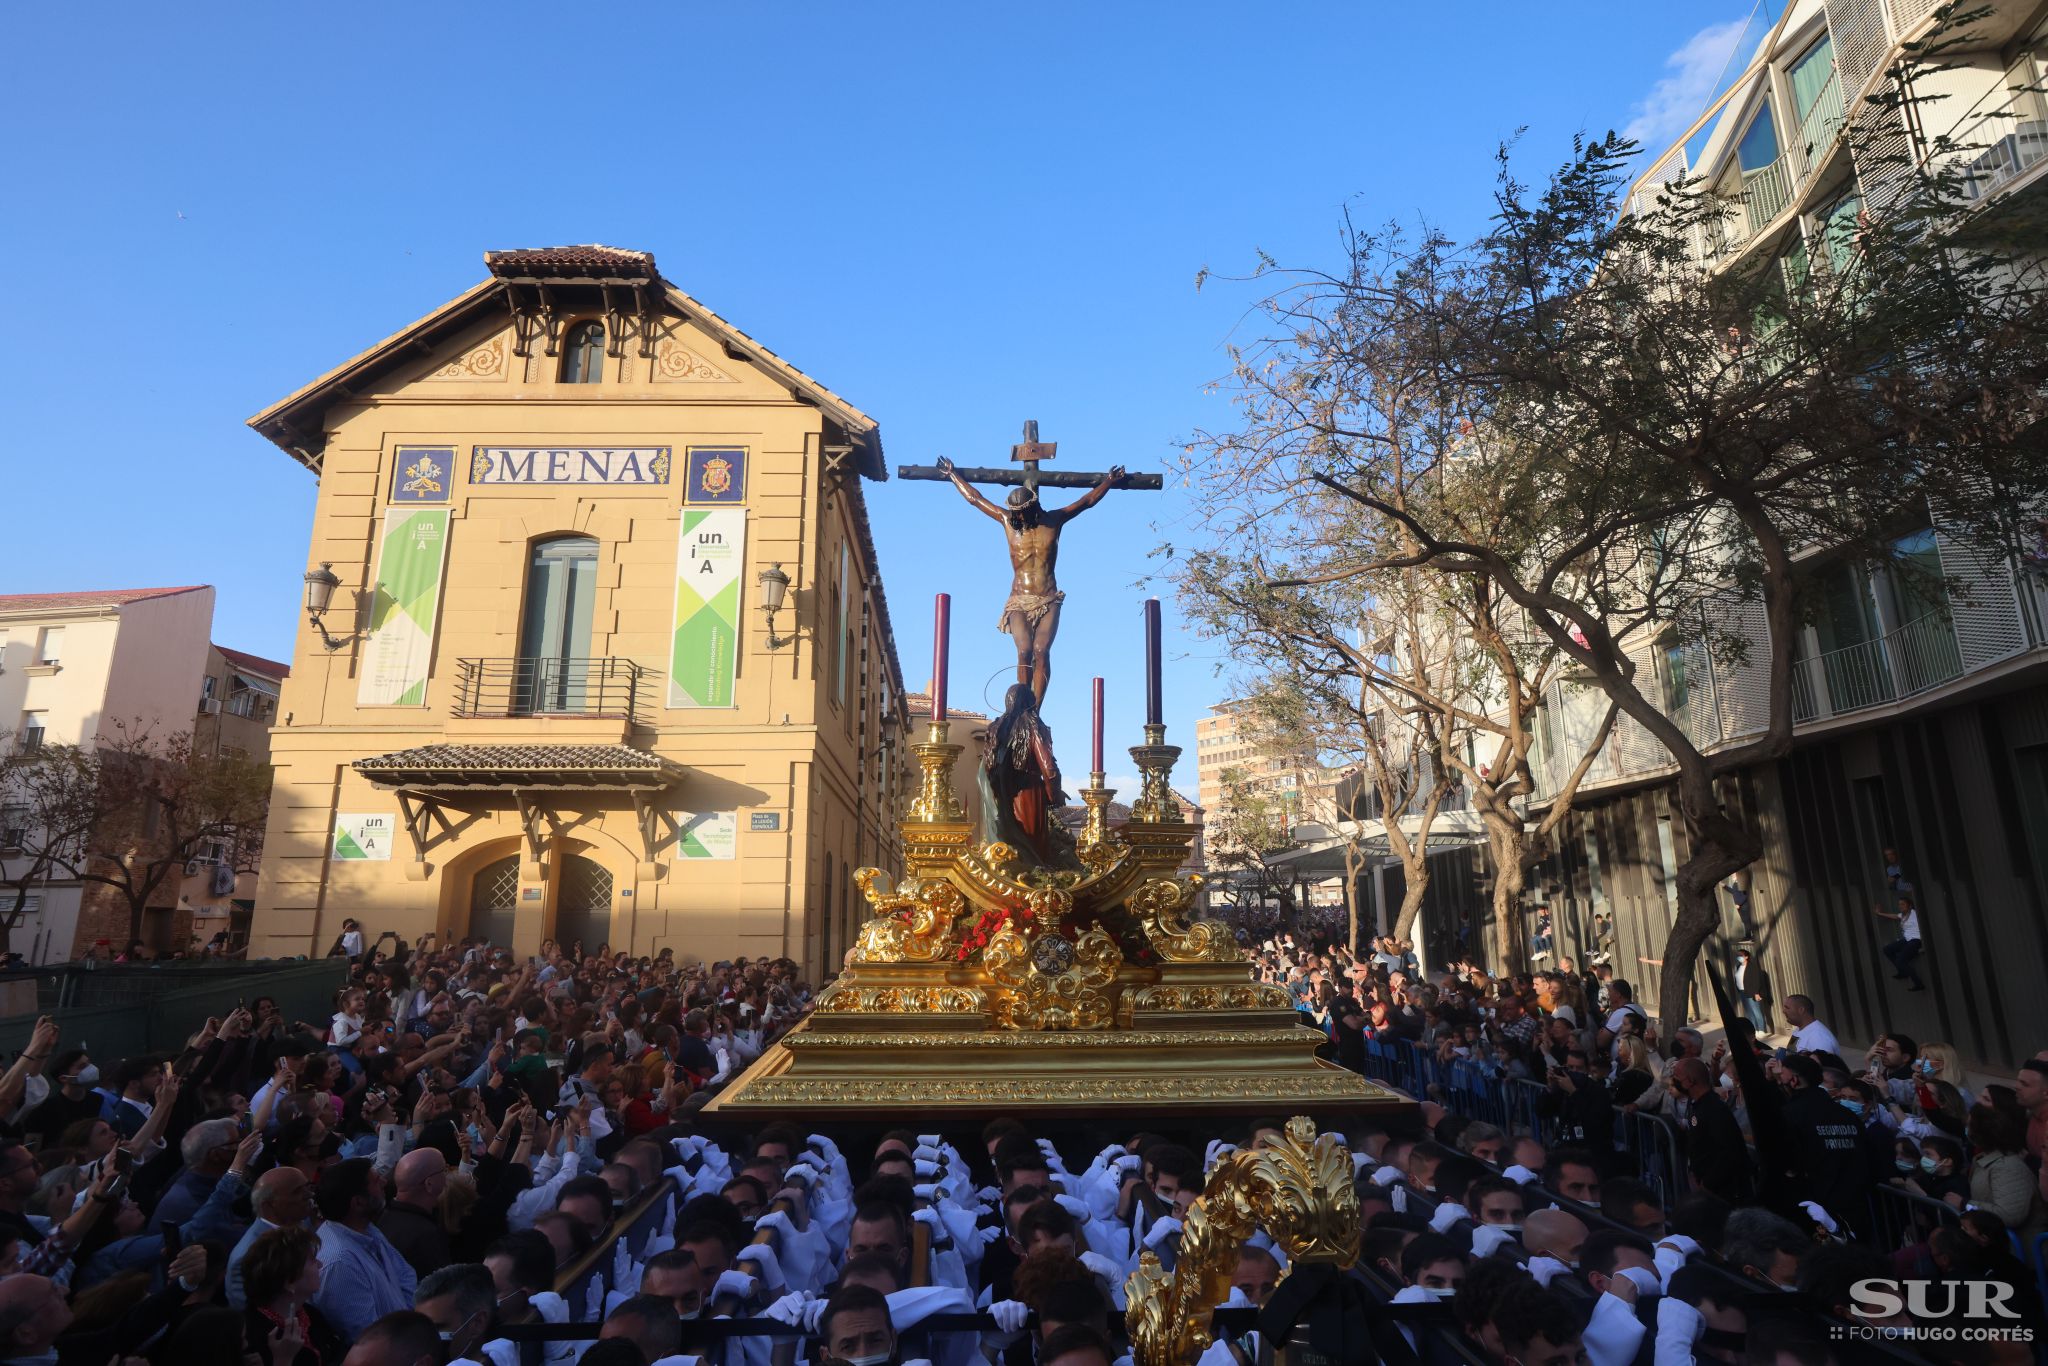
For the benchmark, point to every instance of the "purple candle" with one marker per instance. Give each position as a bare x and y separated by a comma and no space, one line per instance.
1155,709
1095,765
942,621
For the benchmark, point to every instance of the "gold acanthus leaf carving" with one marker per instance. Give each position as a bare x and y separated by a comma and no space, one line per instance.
1159,905
1251,996
980,1092
849,999
913,928
1298,1190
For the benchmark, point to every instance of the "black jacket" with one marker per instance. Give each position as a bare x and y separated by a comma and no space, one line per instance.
1715,1151
418,1236
1831,1163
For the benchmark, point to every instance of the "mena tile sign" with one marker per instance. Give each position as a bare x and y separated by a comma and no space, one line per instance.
569,465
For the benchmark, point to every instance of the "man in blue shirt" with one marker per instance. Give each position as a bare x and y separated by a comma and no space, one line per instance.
208,1148
363,1277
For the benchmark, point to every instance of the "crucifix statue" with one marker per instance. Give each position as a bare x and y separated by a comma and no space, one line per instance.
1031,614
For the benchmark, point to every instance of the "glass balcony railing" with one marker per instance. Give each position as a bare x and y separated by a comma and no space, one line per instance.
1765,194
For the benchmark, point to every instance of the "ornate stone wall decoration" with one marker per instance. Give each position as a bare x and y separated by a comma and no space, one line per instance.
486,362
675,363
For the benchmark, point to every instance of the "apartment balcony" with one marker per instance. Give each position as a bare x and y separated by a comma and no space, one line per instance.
544,687
2013,139
2001,622
1916,658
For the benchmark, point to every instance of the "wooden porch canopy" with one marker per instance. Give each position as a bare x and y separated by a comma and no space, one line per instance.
540,780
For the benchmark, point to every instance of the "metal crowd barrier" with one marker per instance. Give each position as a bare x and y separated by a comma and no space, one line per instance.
1899,1218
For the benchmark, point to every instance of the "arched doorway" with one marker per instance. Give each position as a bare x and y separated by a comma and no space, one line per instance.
494,900
583,903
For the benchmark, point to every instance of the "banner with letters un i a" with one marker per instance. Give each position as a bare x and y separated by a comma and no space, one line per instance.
404,609
704,653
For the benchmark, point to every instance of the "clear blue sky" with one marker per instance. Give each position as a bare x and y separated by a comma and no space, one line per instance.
958,216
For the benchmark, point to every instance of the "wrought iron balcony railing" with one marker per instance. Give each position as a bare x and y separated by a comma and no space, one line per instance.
548,686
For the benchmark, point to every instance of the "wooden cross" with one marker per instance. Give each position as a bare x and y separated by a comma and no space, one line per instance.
1028,453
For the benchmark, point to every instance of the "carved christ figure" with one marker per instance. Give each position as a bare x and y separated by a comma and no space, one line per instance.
1031,615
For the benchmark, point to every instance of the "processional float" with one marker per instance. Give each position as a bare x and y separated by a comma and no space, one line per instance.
1067,980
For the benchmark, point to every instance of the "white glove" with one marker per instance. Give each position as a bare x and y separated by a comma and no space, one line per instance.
926,1153
1521,1175
801,1177
1162,1229
1217,1149
733,1283
688,1146
1446,1217
931,1140
1010,1315
1110,1154
1359,1162
1077,1208
778,1220
992,1233
934,1193
825,1146
765,1264
810,1161
1237,1299
1129,1163
926,1170
1387,1175
1103,1267
1217,1353
929,1217
1819,1216
1052,1155
814,1314
989,1194
789,1309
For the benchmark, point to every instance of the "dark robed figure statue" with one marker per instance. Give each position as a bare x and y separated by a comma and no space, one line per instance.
1020,782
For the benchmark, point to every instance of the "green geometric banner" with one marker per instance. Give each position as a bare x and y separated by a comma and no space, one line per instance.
407,603
704,656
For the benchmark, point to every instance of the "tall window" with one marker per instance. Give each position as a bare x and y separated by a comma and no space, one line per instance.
554,632
1816,97
33,725
583,354
51,648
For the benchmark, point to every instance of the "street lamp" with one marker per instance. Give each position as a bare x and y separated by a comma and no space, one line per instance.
320,586
774,586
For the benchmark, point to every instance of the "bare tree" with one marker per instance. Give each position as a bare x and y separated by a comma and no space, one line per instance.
130,812
1637,448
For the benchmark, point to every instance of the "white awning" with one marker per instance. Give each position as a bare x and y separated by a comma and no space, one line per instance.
251,683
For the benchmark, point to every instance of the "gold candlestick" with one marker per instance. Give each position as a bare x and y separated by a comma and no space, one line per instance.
1155,759
936,801
1095,826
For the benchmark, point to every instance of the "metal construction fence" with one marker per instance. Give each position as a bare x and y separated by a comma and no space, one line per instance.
123,1010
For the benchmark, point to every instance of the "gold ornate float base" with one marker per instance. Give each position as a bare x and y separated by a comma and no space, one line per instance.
981,986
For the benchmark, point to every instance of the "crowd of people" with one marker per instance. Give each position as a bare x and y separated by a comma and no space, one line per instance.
427,1176
1791,1164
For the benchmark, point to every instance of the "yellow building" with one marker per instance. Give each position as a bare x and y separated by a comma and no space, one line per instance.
544,699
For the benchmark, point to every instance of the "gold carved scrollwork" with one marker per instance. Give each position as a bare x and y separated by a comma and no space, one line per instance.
1253,996
848,998
1298,1190
1159,905
1045,981
914,928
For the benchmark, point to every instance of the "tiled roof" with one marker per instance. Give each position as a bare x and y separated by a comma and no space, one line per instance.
111,597
255,664
572,263
516,765
920,705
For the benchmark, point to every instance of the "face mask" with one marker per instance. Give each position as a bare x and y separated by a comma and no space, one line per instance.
1930,1165
1515,1229
1907,1164
88,1075
878,1359
1854,1107
1442,1292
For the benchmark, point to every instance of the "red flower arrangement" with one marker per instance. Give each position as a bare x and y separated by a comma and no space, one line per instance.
986,927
